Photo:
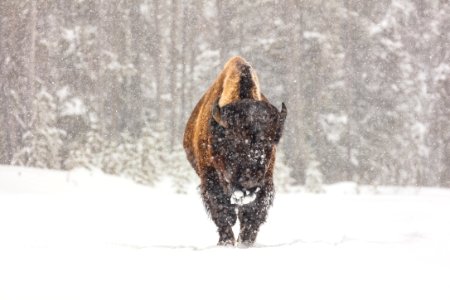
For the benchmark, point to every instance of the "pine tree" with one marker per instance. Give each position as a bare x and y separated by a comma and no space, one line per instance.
179,170
314,177
282,173
88,152
42,141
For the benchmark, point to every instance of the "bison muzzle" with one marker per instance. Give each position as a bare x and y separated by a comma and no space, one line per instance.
230,141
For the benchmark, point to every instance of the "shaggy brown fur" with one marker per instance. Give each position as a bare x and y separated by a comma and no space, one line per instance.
226,88
216,150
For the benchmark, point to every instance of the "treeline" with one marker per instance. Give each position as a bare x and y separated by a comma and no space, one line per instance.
110,84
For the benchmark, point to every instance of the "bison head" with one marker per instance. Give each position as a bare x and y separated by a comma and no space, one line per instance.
243,135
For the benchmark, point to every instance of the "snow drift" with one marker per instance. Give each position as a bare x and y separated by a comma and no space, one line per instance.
86,235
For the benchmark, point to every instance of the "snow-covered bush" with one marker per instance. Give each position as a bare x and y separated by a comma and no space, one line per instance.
314,177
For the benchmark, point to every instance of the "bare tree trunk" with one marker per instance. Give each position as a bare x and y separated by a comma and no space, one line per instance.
220,29
184,42
29,103
3,135
134,85
100,83
174,115
223,32
10,76
192,88
299,144
116,41
157,57
5,138
347,41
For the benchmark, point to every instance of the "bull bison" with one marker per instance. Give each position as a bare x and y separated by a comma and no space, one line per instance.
230,141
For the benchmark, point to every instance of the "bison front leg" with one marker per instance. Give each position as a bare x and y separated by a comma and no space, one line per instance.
252,215
218,205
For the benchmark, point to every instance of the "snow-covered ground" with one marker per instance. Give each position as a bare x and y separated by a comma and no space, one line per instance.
84,235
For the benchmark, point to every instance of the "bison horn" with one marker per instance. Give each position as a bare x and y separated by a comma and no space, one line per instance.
281,119
216,114
283,112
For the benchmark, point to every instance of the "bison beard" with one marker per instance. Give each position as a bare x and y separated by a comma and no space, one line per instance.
230,141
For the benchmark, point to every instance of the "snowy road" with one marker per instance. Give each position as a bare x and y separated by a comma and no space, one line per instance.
84,236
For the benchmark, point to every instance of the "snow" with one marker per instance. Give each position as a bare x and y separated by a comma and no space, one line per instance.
86,235
313,35
74,107
69,34
63,92
333,125
239,198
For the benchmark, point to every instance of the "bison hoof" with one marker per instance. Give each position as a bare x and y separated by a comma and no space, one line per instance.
227,243
244,244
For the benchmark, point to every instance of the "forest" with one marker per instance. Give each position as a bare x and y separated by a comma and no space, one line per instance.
110,84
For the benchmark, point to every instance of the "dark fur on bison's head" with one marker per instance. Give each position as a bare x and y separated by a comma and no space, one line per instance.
243,136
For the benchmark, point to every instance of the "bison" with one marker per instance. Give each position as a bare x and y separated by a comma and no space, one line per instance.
230,140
